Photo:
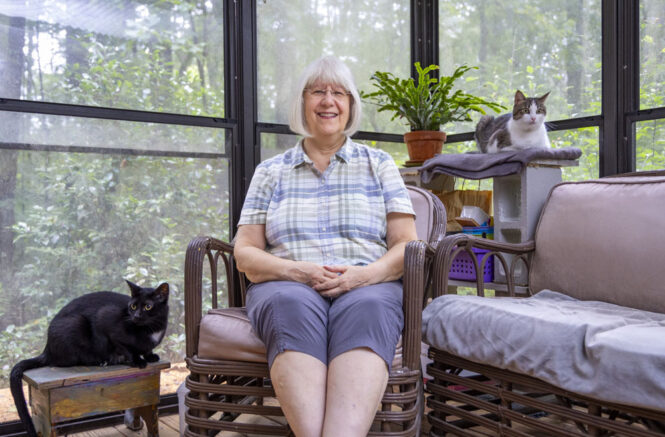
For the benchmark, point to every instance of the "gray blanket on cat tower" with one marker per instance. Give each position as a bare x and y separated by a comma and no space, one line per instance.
486,165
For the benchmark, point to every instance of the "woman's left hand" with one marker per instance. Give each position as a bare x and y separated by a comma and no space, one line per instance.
348,278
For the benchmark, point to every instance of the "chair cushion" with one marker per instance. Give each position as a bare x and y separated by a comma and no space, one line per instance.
597,349
227,334
604,240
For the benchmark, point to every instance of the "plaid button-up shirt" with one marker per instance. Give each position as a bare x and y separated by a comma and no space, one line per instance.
334,217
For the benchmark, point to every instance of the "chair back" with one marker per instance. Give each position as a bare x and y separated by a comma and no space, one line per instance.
604,240
430,215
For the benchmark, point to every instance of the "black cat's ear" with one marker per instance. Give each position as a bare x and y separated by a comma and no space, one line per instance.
542,98
519,97
162,291
133,287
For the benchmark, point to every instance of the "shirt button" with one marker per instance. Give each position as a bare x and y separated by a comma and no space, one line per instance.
323,229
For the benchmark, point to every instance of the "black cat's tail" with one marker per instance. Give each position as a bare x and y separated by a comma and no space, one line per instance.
16,385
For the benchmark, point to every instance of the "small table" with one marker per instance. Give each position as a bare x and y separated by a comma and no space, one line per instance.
58,394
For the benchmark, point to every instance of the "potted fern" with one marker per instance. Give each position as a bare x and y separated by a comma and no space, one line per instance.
425,106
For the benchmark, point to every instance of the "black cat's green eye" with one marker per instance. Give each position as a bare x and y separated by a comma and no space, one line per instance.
133,306
148,307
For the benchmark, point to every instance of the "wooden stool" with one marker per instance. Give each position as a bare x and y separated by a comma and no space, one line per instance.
58,394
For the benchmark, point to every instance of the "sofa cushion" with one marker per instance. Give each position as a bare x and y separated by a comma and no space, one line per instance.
597,349
227,334
604,240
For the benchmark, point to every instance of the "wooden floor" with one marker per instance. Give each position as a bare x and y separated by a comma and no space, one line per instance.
168,427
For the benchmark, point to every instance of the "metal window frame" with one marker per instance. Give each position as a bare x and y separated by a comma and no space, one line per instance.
616,123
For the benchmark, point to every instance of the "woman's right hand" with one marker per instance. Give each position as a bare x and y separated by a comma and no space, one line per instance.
309,273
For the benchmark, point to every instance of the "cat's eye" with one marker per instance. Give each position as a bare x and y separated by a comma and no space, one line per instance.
133,307
524,111
148,307
540,111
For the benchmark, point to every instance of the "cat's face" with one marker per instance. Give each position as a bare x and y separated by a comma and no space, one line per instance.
147,303
529,112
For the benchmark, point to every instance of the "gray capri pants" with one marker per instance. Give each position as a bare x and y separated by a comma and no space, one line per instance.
292,316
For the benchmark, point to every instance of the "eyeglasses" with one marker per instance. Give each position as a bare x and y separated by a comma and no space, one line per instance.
320,94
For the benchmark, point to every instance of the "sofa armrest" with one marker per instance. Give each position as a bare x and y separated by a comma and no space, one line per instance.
198,250
451,245
418,259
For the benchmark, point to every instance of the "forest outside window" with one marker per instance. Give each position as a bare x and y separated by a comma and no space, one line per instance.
94,193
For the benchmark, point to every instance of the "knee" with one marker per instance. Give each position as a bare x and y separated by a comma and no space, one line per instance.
287,301
290,304
376,304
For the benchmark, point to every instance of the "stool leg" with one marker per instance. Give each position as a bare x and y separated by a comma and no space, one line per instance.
133,420
150,417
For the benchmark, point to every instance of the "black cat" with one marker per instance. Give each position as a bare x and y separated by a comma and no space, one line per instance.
99,329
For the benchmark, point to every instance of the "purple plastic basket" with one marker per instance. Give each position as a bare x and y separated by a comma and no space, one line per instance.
463,268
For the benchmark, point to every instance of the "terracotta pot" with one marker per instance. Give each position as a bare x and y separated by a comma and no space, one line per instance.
424,144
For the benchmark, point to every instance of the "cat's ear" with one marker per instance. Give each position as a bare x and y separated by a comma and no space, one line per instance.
542,98
162,291
133,287
519,97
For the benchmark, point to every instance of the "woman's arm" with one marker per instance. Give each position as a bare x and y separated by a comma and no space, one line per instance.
261,266
401,228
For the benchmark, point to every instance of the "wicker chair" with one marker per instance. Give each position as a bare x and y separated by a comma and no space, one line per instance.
600,244
229,374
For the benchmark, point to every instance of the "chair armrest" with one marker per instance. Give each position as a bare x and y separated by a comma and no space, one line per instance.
451,245
418,259
198,250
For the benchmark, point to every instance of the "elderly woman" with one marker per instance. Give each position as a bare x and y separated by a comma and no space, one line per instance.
322,236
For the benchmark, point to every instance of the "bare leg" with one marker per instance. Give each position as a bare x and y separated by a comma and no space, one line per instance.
300,384
356,382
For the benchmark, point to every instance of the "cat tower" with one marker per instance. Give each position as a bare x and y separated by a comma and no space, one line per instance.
519,193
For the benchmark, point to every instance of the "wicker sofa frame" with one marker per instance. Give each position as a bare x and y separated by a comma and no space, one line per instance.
468,398
222,390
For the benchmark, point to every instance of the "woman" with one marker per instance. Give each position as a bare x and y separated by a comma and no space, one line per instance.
322,236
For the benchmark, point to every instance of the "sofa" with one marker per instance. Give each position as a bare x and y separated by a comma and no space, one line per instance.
582,352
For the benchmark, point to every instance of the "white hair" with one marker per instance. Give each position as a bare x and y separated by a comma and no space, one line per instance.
327,69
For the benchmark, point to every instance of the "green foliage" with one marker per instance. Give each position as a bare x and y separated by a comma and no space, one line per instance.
430,104
85,221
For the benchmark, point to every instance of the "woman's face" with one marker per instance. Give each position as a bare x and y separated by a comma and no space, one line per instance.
327,109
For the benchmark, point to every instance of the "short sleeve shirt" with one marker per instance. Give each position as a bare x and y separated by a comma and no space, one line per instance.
335,217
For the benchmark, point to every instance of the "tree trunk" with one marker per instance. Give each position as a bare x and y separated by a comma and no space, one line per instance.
482,44
573,53
11,74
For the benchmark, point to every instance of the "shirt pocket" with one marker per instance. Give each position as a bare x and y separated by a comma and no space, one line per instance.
362,216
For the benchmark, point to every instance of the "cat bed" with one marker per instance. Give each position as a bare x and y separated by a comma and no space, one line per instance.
487,165
594,348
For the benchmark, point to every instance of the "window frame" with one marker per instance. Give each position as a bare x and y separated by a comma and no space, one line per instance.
616,123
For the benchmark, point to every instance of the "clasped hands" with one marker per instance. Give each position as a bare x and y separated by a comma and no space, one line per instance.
332,281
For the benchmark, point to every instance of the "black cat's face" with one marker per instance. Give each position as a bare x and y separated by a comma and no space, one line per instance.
147,303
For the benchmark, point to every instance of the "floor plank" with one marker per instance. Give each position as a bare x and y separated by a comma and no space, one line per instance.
168,427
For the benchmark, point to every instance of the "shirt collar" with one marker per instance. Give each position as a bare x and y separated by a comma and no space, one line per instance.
300,157
344,153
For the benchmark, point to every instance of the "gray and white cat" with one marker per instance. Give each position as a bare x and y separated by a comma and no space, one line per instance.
523,129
